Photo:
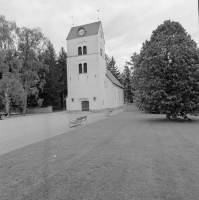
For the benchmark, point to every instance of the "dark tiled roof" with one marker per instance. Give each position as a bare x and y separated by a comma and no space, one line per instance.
91,29
113,79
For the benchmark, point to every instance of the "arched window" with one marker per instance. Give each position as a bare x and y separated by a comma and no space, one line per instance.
84,50
80,68
79,51
85,67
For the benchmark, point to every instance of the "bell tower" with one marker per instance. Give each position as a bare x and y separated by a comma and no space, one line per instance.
86,68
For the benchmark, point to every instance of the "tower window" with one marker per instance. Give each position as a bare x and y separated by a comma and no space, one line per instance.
94,98
85,67
72,100
80,51
80,68
84,50
101,51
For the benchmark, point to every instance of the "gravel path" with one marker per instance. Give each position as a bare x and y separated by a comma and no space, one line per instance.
20,131
128,156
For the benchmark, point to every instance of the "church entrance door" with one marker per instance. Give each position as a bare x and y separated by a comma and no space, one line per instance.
85,106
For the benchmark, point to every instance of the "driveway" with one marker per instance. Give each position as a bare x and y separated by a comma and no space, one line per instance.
19,131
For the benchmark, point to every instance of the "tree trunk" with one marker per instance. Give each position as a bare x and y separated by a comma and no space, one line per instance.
7,103
25,103
168,116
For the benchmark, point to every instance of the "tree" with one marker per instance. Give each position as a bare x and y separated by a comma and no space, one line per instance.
166,76
62,60
113,68
32,43
11,89
51,92
107,59
127,82
133,61
10,82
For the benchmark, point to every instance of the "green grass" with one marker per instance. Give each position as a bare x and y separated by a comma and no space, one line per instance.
128,156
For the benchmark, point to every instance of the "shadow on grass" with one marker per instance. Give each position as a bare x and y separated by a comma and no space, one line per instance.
160,119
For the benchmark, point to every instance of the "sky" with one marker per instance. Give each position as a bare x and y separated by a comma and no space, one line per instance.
126,23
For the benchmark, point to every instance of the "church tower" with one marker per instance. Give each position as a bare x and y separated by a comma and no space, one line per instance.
86,68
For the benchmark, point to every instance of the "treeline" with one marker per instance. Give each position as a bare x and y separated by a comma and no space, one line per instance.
31,74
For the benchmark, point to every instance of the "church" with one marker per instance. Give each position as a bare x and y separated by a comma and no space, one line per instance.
91,87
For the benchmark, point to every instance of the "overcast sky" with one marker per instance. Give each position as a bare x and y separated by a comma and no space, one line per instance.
126,23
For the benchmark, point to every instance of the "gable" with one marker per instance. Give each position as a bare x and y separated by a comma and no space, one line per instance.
91,29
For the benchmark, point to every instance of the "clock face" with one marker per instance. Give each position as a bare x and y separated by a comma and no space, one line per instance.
81,31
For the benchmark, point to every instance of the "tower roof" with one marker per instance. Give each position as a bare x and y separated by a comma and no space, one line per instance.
113,79
91,29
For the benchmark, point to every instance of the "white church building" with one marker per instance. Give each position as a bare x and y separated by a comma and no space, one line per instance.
91,87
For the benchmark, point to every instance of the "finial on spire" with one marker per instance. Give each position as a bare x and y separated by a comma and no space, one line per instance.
98,14
73,21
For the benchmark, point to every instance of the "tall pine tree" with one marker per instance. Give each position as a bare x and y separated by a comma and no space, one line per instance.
113,68
127,83
52,88
62,60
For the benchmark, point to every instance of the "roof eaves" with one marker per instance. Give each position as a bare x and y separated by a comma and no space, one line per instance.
113,82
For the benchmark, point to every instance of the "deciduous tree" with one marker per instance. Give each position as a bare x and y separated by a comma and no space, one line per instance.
166,77
11,89
32,43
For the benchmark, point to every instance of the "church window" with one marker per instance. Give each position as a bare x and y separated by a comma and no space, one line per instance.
85,67
72,100
80,68
84,50
80,51
94,98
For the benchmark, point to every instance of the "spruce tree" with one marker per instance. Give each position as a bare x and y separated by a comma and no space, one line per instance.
107,59
52,87
127,83
62,60
114,69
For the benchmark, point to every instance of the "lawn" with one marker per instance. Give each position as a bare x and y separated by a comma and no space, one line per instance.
131,155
